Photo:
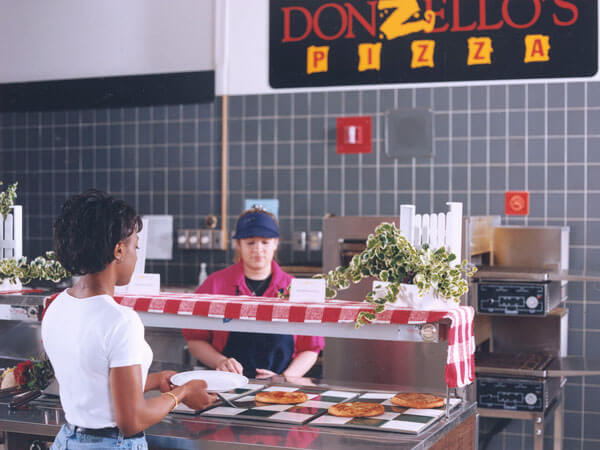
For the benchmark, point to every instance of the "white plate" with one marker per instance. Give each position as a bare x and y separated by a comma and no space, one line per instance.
216,381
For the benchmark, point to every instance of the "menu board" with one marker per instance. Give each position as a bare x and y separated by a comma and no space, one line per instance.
352,42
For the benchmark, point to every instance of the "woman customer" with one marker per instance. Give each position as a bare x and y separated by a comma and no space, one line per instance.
96,346
253,354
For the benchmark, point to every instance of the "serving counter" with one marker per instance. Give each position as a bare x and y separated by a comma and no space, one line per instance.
42,419
456,429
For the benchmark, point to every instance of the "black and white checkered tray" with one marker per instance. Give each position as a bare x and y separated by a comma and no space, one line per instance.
250,388
395,418
319,400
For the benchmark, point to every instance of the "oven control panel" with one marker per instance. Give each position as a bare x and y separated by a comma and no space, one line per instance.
511,394
512,298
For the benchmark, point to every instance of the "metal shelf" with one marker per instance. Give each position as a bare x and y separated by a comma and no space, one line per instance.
386,332
34,299
430,333
529,274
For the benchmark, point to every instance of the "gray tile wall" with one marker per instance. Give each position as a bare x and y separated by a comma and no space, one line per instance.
488,139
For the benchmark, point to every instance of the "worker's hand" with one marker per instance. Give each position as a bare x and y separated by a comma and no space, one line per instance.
164,379
264,373
230,365
196,397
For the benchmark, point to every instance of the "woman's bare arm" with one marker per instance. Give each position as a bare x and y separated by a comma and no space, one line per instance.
301,364
134,413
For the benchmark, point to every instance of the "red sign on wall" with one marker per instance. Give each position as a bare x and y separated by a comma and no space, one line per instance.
516,203
354,134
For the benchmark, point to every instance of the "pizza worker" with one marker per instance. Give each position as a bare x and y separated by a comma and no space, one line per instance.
96,346
255,355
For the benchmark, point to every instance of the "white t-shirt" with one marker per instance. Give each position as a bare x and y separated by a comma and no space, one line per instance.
84,337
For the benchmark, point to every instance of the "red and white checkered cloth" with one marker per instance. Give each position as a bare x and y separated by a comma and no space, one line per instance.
460,365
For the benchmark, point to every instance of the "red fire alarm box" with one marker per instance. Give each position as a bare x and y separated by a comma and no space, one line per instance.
354,135
516,203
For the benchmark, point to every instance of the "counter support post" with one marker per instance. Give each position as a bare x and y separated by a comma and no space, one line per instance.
538,432
448,396
476,437
558,426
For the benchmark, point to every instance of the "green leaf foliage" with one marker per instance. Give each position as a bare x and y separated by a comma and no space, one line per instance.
389,257
7,199
41,268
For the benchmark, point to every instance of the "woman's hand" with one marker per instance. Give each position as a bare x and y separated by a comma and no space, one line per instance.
264,373
229,365
195,395
159,380
164,380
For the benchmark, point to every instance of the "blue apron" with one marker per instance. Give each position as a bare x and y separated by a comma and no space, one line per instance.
260,351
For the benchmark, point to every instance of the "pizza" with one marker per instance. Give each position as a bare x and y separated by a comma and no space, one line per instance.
418,401
283,397
356,409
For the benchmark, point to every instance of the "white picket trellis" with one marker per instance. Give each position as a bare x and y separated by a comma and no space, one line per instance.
437,230
11,233
11,242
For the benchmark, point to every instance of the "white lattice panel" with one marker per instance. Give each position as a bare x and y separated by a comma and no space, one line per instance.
436,229
11,234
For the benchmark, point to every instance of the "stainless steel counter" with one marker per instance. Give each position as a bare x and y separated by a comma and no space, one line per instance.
24,299
44,417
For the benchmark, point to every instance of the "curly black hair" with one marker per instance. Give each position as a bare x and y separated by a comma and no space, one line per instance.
89,227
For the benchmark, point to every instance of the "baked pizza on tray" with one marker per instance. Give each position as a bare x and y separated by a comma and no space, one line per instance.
418,401
281,397
356,409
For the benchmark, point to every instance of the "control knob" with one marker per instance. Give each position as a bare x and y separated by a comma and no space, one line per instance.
531,399
532,302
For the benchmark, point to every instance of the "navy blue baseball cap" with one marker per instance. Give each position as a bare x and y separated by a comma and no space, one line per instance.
256,224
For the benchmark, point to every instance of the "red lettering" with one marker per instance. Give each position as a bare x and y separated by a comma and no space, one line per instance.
536,15
537,48
456,26
343,25
422,54
370,50
287,12
354,14
318,56
565,5
483,18
478,54
440,13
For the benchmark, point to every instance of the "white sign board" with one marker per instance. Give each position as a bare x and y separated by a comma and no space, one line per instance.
303,290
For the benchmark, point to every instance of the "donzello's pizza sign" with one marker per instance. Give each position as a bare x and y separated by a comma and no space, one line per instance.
321,43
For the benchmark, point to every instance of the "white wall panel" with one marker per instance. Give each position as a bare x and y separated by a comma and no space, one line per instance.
64,39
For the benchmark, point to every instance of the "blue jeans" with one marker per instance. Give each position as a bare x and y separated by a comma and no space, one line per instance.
68,439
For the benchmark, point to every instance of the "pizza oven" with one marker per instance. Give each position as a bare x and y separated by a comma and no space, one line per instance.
521,322
519,295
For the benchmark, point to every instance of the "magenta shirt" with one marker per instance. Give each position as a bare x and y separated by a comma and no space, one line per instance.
231,281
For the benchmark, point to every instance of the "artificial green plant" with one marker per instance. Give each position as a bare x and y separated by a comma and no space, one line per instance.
389,257
7,199
41,268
